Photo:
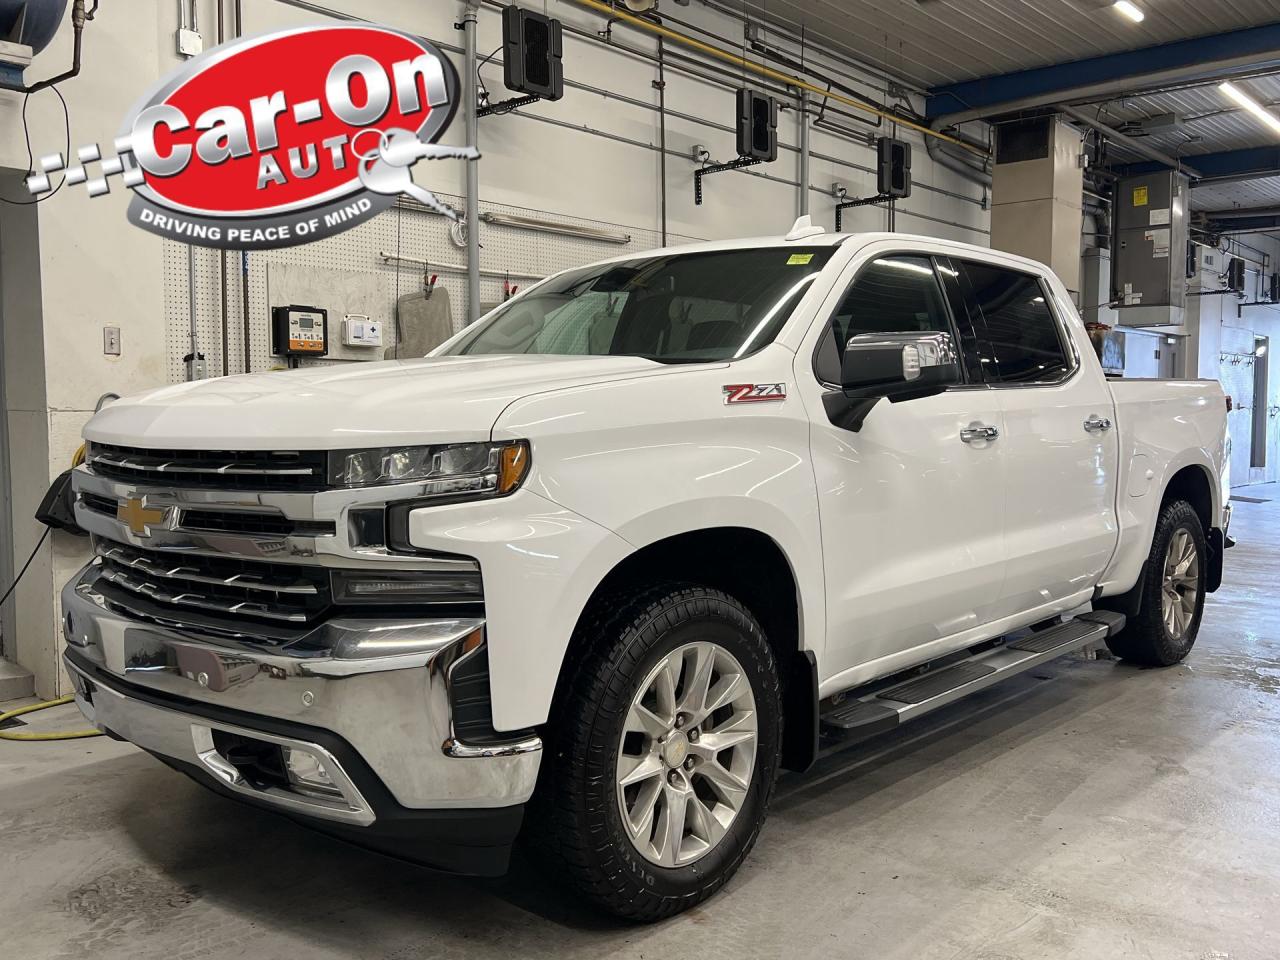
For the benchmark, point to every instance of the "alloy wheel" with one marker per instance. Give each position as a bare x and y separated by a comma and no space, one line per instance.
687,754
1181,585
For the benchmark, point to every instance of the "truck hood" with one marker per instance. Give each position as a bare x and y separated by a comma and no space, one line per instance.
427,400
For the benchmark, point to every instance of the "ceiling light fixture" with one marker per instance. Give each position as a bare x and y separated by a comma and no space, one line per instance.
1252,105
1130,10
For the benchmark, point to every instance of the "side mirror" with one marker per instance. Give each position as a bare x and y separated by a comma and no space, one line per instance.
900,366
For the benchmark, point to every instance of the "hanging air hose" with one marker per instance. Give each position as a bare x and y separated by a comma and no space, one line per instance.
32,708
76,459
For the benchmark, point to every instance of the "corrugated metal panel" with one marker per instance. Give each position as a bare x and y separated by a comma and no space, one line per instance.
1246,194
936,42
1212,123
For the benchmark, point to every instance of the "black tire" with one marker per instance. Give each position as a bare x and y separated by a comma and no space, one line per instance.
1146,639
574,818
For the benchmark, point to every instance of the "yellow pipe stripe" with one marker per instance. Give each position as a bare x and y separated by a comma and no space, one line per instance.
769,72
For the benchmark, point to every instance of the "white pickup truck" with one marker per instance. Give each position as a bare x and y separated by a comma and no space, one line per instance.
612,556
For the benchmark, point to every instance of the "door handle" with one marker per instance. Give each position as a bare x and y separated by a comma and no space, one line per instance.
979,431
1097,423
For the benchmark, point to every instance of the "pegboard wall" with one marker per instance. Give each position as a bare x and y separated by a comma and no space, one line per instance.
406,230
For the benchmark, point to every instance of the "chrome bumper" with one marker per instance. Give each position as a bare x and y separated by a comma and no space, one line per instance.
380,686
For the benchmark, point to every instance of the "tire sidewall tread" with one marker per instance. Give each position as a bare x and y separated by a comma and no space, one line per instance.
1145,640
575,814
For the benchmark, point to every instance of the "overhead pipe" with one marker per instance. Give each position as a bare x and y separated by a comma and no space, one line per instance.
800,39
470,106
78,19
937,151
1133,144
761,70
804,153
662,133
222,254
246,330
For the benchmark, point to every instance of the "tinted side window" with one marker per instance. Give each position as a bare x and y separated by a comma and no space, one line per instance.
890,295
1025,344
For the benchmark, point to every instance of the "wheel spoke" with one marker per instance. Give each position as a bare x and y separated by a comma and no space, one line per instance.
664,689
670,835
634,769
725,691
715,742
640,719
698,682
705,824
639,818
727,784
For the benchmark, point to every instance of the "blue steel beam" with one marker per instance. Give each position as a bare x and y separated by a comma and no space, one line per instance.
1259,45
1250,163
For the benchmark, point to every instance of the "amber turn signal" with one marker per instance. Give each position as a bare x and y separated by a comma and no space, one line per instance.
513,466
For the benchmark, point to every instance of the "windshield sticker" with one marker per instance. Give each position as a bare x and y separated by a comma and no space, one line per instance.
800,260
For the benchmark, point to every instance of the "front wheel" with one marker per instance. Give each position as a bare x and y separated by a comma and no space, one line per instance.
666,743
1165,627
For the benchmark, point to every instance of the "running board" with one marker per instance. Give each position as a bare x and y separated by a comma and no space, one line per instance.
877,712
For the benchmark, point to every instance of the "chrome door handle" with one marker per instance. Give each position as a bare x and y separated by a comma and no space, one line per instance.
979,432
1097,423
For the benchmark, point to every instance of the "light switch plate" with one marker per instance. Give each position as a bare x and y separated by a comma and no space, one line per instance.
111,341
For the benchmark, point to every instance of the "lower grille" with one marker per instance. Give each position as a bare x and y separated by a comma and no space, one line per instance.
280,593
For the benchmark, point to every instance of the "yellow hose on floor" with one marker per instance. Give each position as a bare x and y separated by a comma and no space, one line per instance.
32,708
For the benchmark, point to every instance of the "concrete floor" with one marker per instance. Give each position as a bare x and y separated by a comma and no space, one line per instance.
1089,810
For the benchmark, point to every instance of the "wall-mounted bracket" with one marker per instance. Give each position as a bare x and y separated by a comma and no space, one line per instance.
863,202
506,106
718,168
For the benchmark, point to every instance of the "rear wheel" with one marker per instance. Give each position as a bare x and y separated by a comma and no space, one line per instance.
1165,628
665,747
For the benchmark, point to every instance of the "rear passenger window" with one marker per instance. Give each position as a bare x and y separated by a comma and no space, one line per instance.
1012,315
889,295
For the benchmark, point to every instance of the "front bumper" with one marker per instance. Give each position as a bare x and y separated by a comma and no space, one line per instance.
368,700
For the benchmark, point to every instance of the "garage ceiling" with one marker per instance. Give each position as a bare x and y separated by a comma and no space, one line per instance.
1210,122
933,42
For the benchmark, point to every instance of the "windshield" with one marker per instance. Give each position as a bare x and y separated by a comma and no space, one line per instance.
681,308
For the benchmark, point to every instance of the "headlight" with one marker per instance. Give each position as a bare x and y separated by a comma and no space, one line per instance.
466,470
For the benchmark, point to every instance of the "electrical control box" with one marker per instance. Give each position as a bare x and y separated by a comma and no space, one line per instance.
299,331
359,331
1148,278
757,126
532,53
893,174
1236,274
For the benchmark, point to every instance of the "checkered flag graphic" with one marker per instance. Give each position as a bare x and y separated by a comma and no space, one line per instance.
123,165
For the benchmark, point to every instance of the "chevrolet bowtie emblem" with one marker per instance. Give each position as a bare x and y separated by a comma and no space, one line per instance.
140,518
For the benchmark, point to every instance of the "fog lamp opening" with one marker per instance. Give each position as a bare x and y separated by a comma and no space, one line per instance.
307,775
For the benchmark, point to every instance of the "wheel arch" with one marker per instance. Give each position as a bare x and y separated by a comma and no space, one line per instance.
753,568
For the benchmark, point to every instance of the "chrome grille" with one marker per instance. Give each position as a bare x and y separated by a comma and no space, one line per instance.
282,593
247,523
212,469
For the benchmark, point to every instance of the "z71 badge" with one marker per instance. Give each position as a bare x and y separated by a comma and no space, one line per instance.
754,392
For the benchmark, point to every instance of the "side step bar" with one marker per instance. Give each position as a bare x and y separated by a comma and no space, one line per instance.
882,710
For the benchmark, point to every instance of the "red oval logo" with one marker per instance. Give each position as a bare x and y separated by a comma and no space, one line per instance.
274,125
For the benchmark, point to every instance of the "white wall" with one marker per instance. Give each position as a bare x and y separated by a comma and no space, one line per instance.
95,269
1207,320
